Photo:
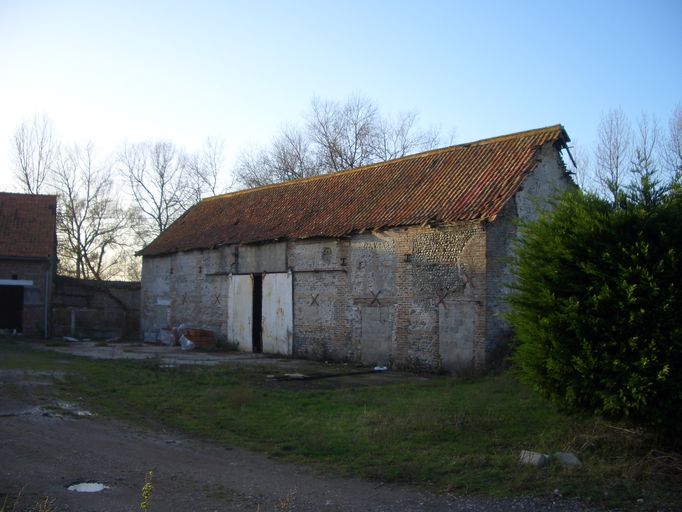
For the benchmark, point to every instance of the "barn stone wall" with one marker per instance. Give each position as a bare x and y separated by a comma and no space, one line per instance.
375,298
380,298
548,180
321,298
186,287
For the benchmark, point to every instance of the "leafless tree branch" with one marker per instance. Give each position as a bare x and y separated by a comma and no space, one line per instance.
335,136
612,154
90,222
204,170
157,175
672,148
35,146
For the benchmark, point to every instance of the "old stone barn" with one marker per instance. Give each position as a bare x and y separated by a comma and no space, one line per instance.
402,263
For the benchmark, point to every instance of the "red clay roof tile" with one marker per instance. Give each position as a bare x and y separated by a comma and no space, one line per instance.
457,183
27,225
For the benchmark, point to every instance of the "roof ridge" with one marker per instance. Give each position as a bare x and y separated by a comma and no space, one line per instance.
25,194
515,135
421,154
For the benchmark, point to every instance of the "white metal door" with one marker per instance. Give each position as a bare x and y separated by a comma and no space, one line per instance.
277,314
240,311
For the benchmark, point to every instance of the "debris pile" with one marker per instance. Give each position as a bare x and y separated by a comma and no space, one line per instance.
186,336
201,338
540,460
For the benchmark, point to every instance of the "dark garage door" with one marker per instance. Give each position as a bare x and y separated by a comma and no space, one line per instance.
11,307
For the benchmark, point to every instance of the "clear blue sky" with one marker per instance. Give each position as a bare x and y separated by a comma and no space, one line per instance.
132,70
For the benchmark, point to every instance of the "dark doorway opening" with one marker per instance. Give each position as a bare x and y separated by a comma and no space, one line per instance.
256,323
11,307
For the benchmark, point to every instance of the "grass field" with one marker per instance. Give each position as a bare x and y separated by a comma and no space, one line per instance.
459,436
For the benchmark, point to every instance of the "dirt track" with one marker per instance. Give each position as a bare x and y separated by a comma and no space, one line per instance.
46,446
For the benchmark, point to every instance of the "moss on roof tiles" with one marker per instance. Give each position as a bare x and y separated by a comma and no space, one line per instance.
469,181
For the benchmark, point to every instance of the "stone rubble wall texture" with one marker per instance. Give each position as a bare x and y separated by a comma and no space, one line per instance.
547,180
418,297
374,298
72,292
186,287
95,309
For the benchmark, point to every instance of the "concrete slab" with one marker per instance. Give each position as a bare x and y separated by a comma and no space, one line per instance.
322,375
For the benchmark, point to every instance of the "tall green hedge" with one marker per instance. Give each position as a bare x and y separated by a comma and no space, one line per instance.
597,308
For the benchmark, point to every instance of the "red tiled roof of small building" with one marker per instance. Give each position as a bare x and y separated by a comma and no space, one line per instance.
27,225
458,183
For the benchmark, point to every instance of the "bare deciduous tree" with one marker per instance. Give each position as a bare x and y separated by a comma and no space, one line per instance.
164,181
646,143
635,162
612,154
343,133
398,136
34,147
204,169
155,172
96,237
129,265
672,150
90,222
334,137
289,157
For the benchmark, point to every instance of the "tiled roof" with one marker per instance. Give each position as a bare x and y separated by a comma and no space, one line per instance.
27,225
457,183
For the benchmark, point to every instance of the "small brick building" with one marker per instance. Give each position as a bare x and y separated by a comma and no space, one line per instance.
28,247
402,263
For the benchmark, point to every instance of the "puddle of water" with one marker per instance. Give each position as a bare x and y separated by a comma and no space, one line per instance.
87,487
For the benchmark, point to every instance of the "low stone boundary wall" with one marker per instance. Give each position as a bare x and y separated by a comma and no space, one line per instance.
96,309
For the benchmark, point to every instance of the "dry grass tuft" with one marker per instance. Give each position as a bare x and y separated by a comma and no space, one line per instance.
287,503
